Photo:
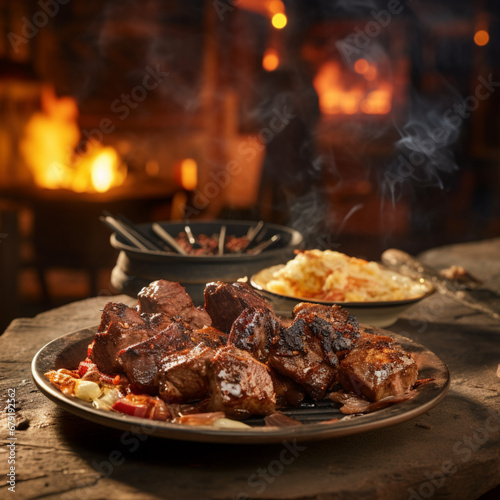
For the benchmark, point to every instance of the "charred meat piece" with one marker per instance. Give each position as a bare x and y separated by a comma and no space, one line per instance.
334,322
378,370
107,344
141,361
288,392
224,302
300,355
253,331
114,312
368,339
171,298
240,385
209,336
183,376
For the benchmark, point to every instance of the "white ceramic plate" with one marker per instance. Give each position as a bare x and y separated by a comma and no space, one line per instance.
380,314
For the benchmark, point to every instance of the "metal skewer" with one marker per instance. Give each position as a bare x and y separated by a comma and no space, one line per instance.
120,229
255,233
191,238
168,239
222,239
137,232
262,246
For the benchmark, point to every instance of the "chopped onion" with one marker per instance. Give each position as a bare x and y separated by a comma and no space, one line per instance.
107,400
87,390
227,423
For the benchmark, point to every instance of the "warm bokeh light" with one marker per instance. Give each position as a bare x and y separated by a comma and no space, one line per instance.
365,68
276,6
371,73
279,20
377,102
350,103
481,38
361,66
337,98
189,174
271,60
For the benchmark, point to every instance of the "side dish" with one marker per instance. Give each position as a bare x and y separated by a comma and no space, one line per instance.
335,277
166,359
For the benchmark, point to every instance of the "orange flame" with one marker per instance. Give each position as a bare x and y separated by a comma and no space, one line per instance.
363,96
51,136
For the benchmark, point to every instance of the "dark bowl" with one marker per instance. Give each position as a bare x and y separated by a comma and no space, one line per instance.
136,268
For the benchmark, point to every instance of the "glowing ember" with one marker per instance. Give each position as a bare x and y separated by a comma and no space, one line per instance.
48,146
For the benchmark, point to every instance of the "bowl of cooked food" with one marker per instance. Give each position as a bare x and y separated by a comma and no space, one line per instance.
374,293
197,252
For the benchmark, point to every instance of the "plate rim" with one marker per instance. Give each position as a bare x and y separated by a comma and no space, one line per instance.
361,305
254,435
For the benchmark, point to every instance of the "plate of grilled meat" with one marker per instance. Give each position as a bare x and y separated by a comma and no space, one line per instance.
233,371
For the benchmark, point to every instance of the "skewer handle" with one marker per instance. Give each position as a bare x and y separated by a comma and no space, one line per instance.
120,229
168,239
222,239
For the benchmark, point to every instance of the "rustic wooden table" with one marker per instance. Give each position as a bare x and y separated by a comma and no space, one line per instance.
451,452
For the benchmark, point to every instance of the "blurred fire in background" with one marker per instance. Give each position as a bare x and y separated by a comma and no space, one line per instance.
49,149
357,123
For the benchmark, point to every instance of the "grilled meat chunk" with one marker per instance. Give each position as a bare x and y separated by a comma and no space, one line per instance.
378,370
368,339
253,330
115,312
183,376
288,392
306,351
334,323
240,385
141,361
209,336
171,298
107,344
224,302
300,355
156,321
